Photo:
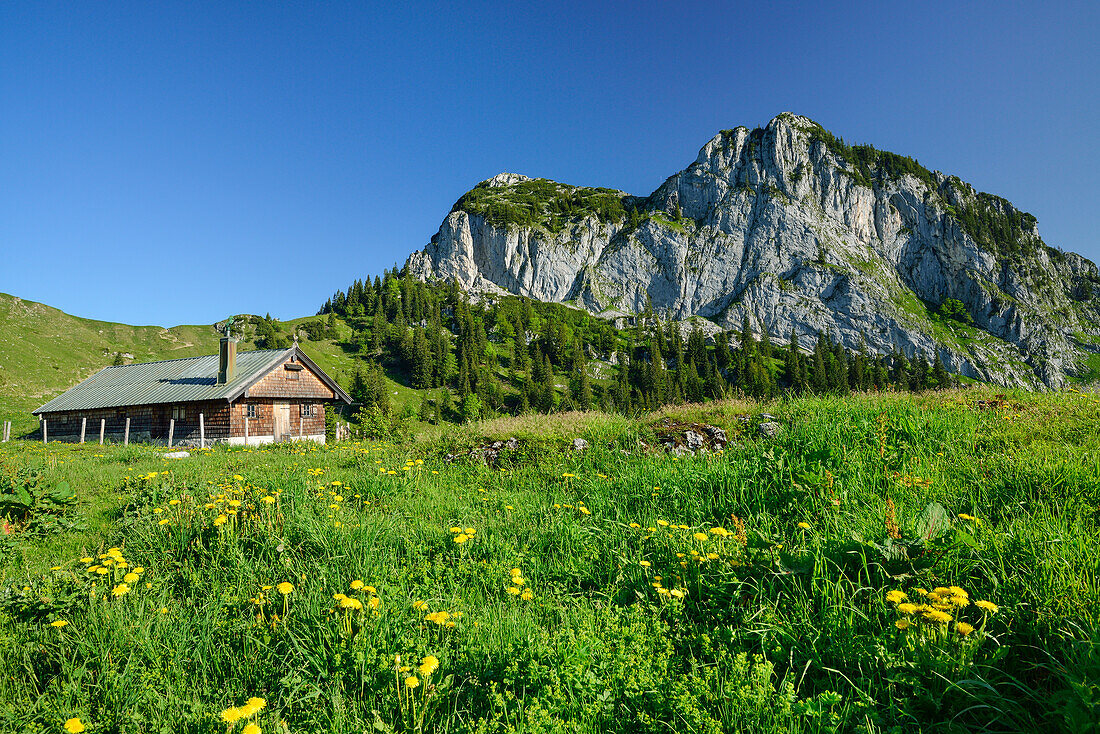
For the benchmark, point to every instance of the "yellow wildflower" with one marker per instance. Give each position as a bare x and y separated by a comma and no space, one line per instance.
964,629
902,624
121,590
232,715
251,729
987,606
804,525
285,588
412,681
527,595
74,725
357,584
895,596
58,623
428,665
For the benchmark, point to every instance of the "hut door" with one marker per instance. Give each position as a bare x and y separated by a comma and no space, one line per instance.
282,420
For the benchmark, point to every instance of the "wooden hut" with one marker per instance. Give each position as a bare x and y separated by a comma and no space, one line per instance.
248,397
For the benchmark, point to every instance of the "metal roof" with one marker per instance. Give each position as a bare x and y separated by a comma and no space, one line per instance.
176,381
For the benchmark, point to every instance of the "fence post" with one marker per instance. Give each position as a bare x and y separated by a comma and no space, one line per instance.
102,429
171,430
202,433
45,432
126,435
7,431
246,430
83,427
300,434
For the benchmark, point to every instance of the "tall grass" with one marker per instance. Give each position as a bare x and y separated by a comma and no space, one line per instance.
774,618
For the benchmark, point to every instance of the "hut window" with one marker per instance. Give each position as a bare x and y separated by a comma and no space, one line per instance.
307,409
250,411
292,370
178,412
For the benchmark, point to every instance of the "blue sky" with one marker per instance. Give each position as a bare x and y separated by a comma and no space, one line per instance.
175,163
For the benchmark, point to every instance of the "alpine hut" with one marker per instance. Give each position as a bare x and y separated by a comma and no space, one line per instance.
254,397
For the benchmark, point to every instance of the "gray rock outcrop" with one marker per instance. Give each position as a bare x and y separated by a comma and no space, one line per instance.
797,232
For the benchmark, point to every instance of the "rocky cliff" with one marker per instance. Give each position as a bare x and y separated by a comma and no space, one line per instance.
797,230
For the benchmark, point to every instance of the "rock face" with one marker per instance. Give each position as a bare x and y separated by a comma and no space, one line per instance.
793,229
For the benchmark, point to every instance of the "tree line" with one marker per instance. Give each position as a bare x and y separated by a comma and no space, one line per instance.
514,355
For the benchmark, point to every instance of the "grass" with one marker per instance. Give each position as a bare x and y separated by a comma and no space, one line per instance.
776,617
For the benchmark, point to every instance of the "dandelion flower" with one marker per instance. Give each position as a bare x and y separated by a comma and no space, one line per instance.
285,588
514,591
58,623
937,616
428,665
644,564
121,590
130,578
908,608
357,584
74,725
251,729
987,606
804,525
964,629
412,681
527,595
700,536
902,624
461,538
895,596
232,715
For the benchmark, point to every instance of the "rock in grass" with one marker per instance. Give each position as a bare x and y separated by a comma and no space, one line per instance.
177,455
769,429
579,444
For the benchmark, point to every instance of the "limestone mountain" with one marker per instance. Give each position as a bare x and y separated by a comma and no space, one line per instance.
796,230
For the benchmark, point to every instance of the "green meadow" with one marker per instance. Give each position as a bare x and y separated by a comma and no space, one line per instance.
884,563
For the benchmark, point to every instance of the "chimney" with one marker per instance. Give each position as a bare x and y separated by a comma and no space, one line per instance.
227,360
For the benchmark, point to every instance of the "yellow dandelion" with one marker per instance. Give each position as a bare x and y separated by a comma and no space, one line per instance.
232,715
514,591
412,681
527,595
251,729
937,616
964,629
895,596
285,588
987,606
130,578
461,538
428,665
121,590
357,584
908,608
804,525
74,725
644,564
58,623
902,624
700,536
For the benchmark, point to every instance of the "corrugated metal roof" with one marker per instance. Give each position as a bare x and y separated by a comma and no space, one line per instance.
172,381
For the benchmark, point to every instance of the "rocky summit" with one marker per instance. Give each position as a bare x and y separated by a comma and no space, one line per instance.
797,231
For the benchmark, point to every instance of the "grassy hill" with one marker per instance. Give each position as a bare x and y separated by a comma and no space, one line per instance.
45,351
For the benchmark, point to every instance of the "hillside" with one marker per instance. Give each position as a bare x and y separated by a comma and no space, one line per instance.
45,351
797,231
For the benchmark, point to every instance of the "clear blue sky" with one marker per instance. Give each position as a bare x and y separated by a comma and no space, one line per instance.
175,163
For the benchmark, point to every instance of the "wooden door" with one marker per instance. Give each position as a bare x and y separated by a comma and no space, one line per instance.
282,420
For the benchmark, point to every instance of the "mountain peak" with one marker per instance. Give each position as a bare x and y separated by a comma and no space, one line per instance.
797,230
